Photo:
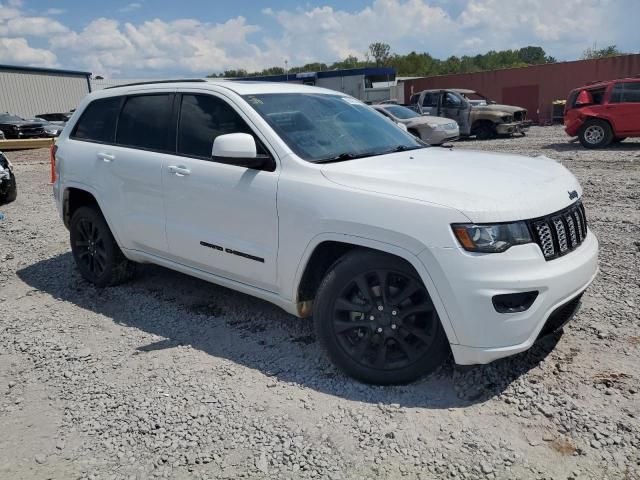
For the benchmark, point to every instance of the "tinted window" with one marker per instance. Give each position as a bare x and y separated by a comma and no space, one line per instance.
430,99
616,93
631,92
202,119
98,122
144,122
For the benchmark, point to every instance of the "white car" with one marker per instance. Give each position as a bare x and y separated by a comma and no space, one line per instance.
310,199
428,128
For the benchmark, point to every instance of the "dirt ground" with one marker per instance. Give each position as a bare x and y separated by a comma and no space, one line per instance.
169,376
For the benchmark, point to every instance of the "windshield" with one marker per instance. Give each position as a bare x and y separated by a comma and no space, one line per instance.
401,112
5,117
321,127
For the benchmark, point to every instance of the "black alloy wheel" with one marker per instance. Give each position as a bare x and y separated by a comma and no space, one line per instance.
96,253
377,321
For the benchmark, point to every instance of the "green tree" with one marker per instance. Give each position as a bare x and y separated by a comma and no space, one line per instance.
380,53
610,51
532,55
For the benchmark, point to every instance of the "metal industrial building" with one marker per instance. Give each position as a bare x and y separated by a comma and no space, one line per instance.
534,88
357,82
29,91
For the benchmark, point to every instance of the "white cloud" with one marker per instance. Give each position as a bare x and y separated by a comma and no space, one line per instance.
18,51
130,7
109,47
32,26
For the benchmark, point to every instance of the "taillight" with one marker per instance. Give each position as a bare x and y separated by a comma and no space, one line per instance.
55,168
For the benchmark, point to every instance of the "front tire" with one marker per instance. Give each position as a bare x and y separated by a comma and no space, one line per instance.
486,131
95,251
376,321
595,133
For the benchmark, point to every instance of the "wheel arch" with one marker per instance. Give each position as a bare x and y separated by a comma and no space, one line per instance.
325,250
76,196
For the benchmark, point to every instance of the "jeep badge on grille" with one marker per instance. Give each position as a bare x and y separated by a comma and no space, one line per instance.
572,194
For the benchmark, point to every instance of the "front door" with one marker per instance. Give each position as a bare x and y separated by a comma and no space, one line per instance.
457,108
220,218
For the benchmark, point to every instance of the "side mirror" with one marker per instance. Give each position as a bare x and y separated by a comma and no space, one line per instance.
239,149
584,98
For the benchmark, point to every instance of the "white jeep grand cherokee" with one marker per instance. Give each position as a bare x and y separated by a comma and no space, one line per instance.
311,200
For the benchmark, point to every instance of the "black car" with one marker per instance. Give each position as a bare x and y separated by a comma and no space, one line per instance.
8,188
56,118
15,127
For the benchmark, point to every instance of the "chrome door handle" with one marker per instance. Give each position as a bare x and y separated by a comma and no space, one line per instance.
106,157
180,171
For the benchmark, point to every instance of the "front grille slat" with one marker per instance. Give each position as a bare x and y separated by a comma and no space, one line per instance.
561,232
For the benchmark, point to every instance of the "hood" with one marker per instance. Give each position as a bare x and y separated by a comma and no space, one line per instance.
426,120
496,107
485,187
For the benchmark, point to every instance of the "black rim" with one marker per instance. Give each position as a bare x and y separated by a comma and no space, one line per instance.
90,247
384,320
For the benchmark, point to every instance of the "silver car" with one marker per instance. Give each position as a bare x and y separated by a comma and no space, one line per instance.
430,129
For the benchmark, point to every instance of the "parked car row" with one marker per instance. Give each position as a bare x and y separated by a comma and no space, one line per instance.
42,126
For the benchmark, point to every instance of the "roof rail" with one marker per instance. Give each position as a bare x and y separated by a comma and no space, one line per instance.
153,82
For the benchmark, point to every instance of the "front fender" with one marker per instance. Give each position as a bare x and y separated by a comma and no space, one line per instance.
408,251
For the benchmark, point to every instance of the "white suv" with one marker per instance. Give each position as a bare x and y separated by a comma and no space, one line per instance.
311,200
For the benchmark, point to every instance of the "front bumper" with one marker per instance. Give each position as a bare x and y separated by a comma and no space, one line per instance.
467,282
514,127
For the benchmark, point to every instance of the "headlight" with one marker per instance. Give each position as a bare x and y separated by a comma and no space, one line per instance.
446,126
491,238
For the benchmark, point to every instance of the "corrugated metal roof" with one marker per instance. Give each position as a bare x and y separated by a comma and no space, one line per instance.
20,68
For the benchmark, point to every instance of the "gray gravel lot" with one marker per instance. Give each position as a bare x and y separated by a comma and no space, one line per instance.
169,376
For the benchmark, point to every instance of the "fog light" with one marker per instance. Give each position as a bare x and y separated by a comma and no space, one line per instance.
514,302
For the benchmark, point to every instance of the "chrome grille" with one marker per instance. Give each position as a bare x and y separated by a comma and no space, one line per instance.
561,232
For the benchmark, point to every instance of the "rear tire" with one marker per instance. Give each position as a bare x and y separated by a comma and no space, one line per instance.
95,251
375,319
595,133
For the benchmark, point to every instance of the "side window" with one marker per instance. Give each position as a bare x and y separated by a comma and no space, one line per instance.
145,121
598,95
202,119
451,100
616,93
430,100
631,92
98,121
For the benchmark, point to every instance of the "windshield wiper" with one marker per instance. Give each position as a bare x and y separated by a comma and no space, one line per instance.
343,157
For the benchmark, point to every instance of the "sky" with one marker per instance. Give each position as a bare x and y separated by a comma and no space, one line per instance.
160,38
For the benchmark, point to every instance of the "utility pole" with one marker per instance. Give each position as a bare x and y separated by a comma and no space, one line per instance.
286,69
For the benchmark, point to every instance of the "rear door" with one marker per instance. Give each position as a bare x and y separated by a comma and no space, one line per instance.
220,218
623,108
124,167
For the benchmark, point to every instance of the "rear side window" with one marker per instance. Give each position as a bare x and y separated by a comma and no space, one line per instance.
626,93
145,122
202,119
98,121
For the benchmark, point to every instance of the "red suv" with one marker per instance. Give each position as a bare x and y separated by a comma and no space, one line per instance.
604,112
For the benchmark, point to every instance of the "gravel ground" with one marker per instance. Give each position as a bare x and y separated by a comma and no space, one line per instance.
169,376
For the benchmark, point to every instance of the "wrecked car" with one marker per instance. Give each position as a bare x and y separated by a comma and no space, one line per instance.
430,129
475,114
605,112
8,187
